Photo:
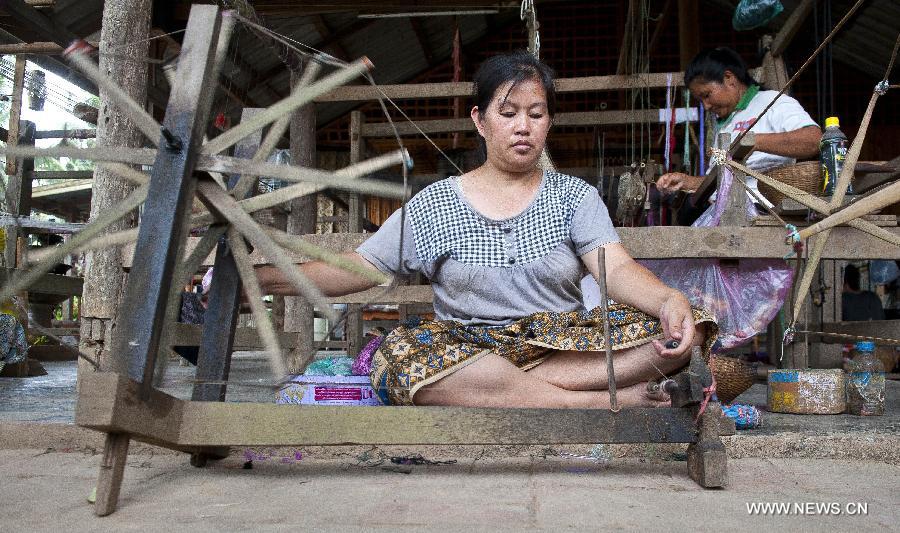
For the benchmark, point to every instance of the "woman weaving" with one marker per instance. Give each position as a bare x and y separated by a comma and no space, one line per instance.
504,247
718,77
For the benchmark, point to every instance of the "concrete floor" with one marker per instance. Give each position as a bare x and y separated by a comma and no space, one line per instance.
48,466
42,491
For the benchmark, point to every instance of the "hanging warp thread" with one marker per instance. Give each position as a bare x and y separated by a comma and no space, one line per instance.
668,122
686,157
702,150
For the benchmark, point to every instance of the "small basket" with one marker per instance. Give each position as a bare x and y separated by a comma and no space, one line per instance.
733,377
806,176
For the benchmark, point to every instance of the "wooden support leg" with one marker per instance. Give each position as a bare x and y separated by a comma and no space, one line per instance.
706,458
112,470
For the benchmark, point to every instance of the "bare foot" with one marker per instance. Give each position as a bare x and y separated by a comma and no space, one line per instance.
636,396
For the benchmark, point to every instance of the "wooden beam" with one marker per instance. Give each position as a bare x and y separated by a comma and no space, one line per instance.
39,22
422,39
114,406
350,93
326,34
15,112
588,118
791,26
688,30
44,48
66,134
889,329
48,283
658,242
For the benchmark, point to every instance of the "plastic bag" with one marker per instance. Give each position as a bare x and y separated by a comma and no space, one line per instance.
330,366
743,295
751,14
882,272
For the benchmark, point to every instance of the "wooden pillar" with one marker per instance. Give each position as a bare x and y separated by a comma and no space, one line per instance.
301,220
18,191
125,29
354,327
15,112
688,30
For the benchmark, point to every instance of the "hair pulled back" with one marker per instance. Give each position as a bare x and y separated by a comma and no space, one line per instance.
711,64
514,67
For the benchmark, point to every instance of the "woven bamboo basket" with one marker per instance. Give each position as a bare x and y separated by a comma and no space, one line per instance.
733,377
806,176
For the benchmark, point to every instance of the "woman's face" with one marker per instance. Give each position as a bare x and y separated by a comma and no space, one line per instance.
515,125
718,97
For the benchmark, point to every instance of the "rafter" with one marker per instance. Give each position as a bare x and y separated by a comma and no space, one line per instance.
423,40
337,49
39,22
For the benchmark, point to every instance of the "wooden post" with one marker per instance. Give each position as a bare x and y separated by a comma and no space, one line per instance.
18,192
354,327
126,27
112,471
688,36
15,111
735,213
706,458
301,221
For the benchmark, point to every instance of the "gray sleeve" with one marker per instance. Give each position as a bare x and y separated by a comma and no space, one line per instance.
383,249
591,225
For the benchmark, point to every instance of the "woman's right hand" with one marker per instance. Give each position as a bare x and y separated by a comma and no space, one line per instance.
678,181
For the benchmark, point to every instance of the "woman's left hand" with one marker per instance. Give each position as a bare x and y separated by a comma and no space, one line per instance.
677,321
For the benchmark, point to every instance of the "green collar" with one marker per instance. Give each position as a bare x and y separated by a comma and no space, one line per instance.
742,104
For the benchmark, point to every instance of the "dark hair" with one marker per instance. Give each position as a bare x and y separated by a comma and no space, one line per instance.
851,277
711,64
514,67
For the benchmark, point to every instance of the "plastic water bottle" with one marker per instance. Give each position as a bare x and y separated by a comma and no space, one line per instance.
832,152
865,382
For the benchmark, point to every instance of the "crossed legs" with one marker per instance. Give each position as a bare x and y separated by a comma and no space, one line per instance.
564,380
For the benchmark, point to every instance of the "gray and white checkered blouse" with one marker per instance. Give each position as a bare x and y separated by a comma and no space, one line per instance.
493,272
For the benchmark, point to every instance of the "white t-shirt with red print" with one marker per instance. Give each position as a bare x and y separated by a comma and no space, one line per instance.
785,115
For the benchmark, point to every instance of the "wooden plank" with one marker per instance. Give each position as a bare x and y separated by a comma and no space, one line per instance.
15,112
162,230
34,225
60,174
353,93
114,406
244,338
353,329
214,357
248,424
19,194
42,47
660,242
48,283
66,134
450,125
884,221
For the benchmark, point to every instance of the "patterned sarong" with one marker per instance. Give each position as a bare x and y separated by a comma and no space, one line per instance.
412,357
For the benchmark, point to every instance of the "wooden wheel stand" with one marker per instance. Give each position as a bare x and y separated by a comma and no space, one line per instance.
125,405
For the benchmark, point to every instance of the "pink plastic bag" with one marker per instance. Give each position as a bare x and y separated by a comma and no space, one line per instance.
744,295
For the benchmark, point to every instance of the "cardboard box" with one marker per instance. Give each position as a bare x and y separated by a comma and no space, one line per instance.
328,390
